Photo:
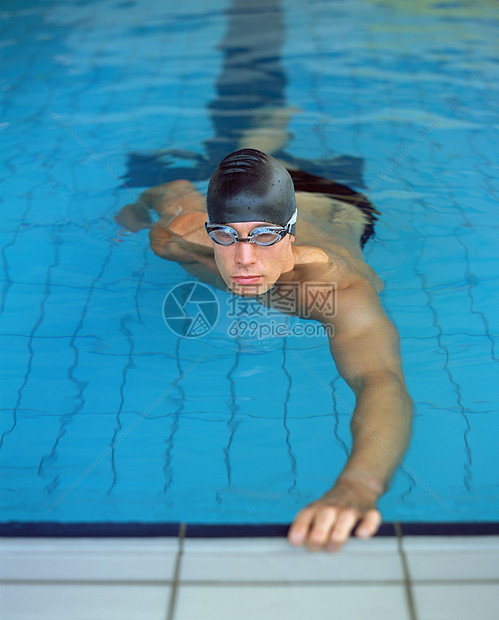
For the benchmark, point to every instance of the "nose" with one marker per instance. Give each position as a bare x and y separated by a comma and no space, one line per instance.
245,253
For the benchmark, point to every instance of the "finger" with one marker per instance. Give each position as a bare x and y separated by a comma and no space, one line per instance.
298,531
321,527
369,524
341,531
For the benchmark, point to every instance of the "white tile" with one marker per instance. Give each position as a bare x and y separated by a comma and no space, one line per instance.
290,603
83,559
457,602
276,560
83,602
452,558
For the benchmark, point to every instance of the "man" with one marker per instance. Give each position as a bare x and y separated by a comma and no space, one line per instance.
248,245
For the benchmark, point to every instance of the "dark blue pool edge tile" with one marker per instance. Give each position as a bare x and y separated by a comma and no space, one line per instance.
200,530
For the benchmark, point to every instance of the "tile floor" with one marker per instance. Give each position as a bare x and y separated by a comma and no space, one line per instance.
407,578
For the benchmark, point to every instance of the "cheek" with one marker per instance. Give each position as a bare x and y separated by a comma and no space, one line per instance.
279,258
222,259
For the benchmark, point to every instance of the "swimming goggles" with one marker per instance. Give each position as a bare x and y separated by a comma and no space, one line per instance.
263,235
222,234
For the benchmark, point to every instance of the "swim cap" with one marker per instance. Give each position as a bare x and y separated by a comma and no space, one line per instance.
250,186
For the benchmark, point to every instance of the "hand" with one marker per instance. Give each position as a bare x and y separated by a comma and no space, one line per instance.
328,522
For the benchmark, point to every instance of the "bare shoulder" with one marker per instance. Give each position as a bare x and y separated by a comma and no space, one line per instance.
305,254
341,268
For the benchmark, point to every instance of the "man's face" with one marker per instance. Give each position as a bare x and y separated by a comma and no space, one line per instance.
249,269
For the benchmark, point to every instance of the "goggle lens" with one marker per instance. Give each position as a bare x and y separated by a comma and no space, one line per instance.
222,237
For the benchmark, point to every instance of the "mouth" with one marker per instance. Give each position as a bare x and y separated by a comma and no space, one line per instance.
246,280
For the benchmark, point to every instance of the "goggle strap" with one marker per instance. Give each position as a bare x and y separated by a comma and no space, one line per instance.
292,220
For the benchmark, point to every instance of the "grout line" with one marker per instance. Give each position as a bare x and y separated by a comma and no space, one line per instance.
290,583
234,582
327,584
176,573
87,582
411,607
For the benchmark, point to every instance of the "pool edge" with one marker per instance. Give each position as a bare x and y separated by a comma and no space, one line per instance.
16,529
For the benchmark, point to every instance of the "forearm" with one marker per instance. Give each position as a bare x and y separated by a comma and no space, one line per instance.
181,250
151,203
381,429
184,240
166,202
144,212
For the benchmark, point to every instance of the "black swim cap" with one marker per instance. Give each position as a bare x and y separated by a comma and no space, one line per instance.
250,186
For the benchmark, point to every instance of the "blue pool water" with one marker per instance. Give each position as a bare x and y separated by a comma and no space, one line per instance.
106,413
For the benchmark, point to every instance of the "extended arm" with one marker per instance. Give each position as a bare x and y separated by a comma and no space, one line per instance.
365,347
177,228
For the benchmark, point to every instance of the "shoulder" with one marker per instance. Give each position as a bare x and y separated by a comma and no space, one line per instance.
305,254
342,268
350,292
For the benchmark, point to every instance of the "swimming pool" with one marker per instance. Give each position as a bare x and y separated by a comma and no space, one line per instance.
107,414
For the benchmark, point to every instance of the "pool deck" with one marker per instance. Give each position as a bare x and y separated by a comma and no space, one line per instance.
395,577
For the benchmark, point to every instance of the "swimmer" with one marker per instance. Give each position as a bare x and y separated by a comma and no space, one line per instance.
267,228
